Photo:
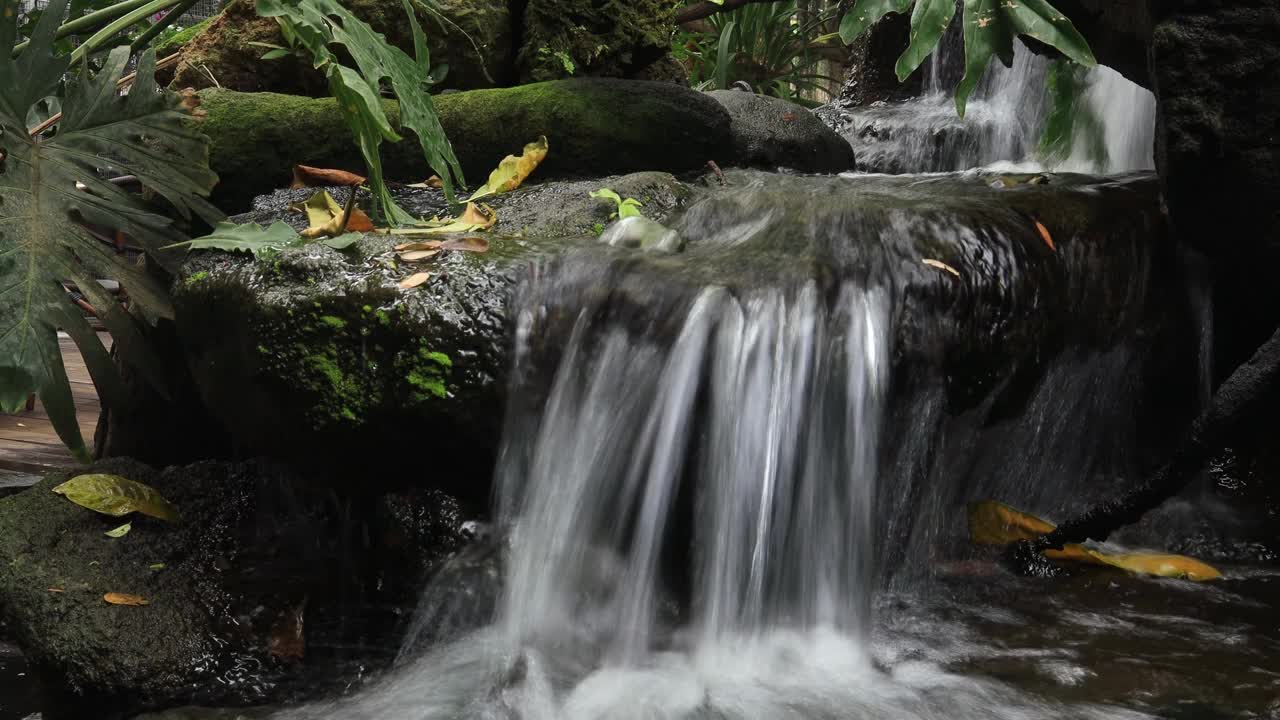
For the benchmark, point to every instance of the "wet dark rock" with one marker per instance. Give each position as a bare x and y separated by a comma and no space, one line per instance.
1219,156
769,132
254,548
596,127
317,356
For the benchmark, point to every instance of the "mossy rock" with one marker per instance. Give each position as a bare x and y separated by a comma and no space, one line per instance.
256,545
318,357
600,38
472,36
595,127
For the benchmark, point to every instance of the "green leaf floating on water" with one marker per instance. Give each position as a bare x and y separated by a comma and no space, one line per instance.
51,188
120,531
116,496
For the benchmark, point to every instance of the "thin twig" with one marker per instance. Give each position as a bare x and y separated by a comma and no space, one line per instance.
348,209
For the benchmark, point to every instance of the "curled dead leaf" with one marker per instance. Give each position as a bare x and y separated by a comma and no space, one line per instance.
1044,233
466,244
324,217
126,599
513,171
418,255
306,176
414,280
56,590
941,266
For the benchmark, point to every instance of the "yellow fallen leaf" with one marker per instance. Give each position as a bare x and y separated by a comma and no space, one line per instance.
124,599
324,217
513,171
120,531
414,280
1044,233
475,218
116,496
993,523
941,266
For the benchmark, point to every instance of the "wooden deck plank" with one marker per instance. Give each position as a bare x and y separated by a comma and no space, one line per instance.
28,443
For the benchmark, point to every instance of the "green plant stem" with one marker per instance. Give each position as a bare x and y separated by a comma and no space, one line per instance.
90,21
159,26
120,25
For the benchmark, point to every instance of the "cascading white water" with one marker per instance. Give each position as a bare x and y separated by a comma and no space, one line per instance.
1005,122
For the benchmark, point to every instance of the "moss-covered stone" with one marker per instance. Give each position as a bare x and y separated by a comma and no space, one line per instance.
179,40
595,127
317,356
257,545
600,38
473,37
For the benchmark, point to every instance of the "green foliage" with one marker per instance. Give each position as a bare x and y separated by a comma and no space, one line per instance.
316,25
1070,118
52,189
764,45
989,29
630,207
263,242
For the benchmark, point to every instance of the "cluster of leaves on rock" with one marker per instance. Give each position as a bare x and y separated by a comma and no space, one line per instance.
990,27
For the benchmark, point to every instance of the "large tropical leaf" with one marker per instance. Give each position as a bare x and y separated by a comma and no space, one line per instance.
929,20
54,193
866,13
317,24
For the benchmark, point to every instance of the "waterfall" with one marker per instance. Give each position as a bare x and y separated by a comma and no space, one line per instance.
725,474
1004,123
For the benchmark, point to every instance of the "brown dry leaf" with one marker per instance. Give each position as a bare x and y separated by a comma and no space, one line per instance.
418,255
1044,233
433,182
56,590
513,171
941,266
424,245
124,599
414,280
467,244
305,176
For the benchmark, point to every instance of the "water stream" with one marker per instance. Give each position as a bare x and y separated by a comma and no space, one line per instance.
1005,121
727,498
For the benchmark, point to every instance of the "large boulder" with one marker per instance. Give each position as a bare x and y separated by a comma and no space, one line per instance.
771,132
595,127
250,596
572,38
474,37
1218,150
317,356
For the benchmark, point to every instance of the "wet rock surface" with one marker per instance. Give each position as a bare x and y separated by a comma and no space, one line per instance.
263,592
317,356
769,132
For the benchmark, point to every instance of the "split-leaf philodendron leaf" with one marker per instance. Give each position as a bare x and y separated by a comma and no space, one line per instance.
989,29
53,188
